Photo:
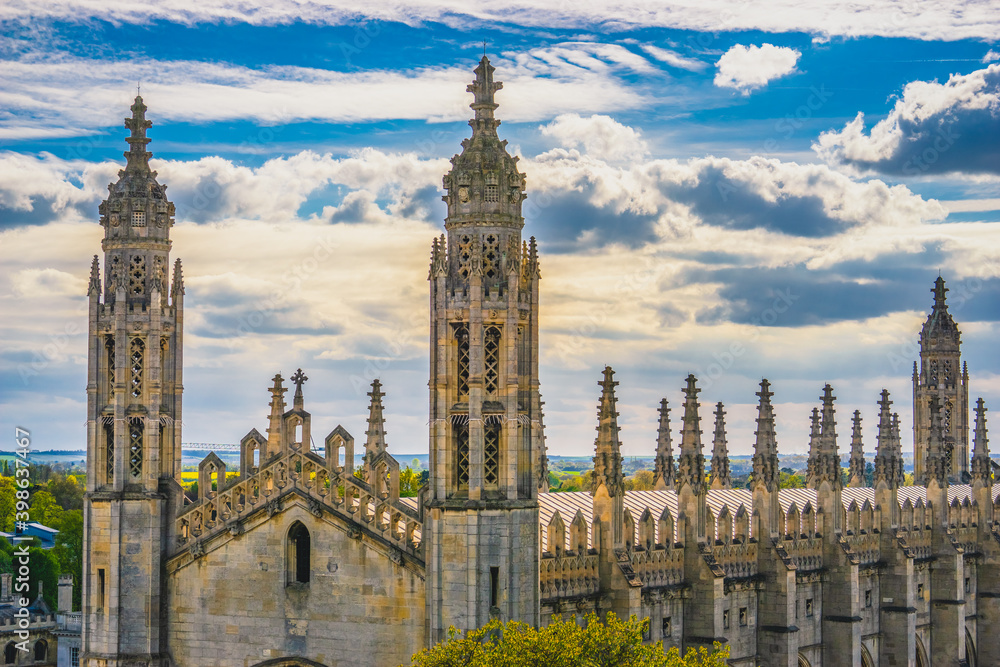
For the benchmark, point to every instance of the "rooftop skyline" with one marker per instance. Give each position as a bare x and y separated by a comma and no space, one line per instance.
731,194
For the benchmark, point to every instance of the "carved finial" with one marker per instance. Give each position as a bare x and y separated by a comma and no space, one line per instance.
95,278
178,286
376,421
936,462
484,89
137,155
856,465
765,450
298,378
277,405
888,457
607,454
664,471
691,460
720,451
981,465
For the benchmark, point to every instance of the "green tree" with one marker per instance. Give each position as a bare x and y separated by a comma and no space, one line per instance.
44,508
43,568
615,643
8,503
67,491
409,482
69,551
642,480
789,481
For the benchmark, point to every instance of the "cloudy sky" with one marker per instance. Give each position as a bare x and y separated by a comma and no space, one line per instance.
716,188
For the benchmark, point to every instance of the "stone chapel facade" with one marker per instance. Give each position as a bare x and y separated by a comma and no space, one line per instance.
297,562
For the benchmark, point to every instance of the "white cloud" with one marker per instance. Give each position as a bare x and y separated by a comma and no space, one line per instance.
991,56
78,93
601,137
975,19
933,128
748,68
674,59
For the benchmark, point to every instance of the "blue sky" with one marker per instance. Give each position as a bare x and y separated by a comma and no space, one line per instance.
718,189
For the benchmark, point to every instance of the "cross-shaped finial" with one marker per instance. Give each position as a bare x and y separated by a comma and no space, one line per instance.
298,378
137,83
484,47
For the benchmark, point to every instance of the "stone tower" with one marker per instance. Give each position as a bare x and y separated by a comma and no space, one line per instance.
485,411
133,415
941,374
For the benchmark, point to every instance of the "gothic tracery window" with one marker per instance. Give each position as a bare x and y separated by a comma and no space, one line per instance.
491,454
462,455
109,346
462,334
137,275
491,256
135,448
136,355
109,451
491,359
464,254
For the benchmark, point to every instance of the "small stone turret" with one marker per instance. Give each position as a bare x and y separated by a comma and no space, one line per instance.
982,468
607,455
824,460
888,457
936,466
720,452
856,465
691,460
664,470
275,435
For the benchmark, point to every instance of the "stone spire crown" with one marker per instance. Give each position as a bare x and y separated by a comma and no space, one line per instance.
765,456
940,326
607,455
137,156
664,470
375,444
691,461
981,464
720,452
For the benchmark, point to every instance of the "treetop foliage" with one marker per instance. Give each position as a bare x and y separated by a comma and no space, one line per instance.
614,643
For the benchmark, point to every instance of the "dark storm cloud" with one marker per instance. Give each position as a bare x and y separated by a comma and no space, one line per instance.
567,222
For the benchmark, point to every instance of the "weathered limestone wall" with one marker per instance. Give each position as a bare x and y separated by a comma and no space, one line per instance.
232,607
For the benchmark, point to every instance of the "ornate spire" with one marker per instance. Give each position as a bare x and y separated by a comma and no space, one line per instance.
939,324
607,455
981,465
720,453
277,405
95,278
663,469
691,461
888,457
936,463
765,449
484,89
375,444
178,286
137,155
824,460
856,465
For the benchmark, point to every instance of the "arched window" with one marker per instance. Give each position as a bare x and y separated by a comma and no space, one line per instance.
298,554
9,654
41,650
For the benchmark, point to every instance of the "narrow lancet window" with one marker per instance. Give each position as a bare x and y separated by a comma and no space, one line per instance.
491,360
